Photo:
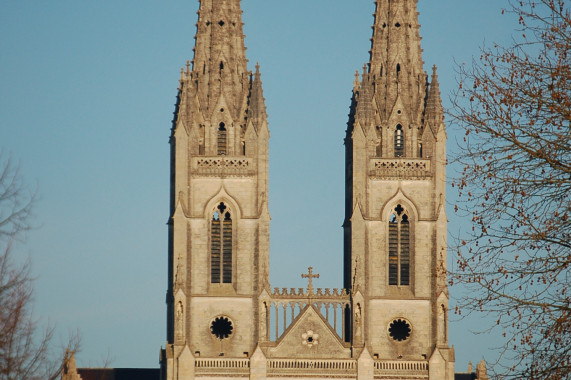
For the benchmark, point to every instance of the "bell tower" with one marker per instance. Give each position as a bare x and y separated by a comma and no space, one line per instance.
395,218
218,225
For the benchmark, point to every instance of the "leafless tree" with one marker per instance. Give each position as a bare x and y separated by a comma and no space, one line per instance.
514,104
26,350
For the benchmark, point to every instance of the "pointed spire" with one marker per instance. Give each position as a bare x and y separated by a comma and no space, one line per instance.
216,87
434,111
69,370
257,104
395,64
395,36
219,62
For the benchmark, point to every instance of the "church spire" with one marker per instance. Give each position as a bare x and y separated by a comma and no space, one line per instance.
396,56
219,63
395,34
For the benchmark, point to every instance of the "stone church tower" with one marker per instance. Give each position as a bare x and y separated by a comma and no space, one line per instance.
219,220
389,321
395,218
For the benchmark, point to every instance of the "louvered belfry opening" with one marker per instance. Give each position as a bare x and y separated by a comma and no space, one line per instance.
393,250
404,251
399,141
221,246
227,249
222,138
399,247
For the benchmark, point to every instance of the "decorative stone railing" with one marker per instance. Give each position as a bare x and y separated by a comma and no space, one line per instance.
404,368
399,168
329,367
235,367
346,368
222,166
284,306
306,293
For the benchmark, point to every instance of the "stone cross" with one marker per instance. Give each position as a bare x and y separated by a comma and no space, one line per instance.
310,276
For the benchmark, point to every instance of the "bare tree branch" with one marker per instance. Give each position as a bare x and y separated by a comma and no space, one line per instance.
514,104
26,350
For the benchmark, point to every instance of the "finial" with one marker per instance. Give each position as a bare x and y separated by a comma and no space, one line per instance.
181,73
188,67
257,72
356,82
310,276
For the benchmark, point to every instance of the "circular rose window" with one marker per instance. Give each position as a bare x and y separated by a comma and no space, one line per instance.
399,330
221,327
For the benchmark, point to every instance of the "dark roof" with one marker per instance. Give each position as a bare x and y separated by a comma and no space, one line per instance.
119,373
465,376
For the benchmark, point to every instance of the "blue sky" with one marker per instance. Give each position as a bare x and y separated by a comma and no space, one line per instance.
87,92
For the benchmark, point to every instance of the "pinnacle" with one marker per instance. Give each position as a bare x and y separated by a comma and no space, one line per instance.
257,101
356,81
434,81
364,105
434,92
434,102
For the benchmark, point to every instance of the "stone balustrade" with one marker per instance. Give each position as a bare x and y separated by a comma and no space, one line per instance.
407,369
224,166
332,367
228,366
391,168
305,293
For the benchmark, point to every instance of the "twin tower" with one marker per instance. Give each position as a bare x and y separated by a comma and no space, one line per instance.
389,321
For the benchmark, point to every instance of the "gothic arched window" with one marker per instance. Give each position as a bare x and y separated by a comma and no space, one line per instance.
399,247
221,246
399,141
221,139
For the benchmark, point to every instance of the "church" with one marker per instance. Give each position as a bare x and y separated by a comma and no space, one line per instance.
224,320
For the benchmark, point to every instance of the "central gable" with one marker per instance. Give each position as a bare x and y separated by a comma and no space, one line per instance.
310,336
